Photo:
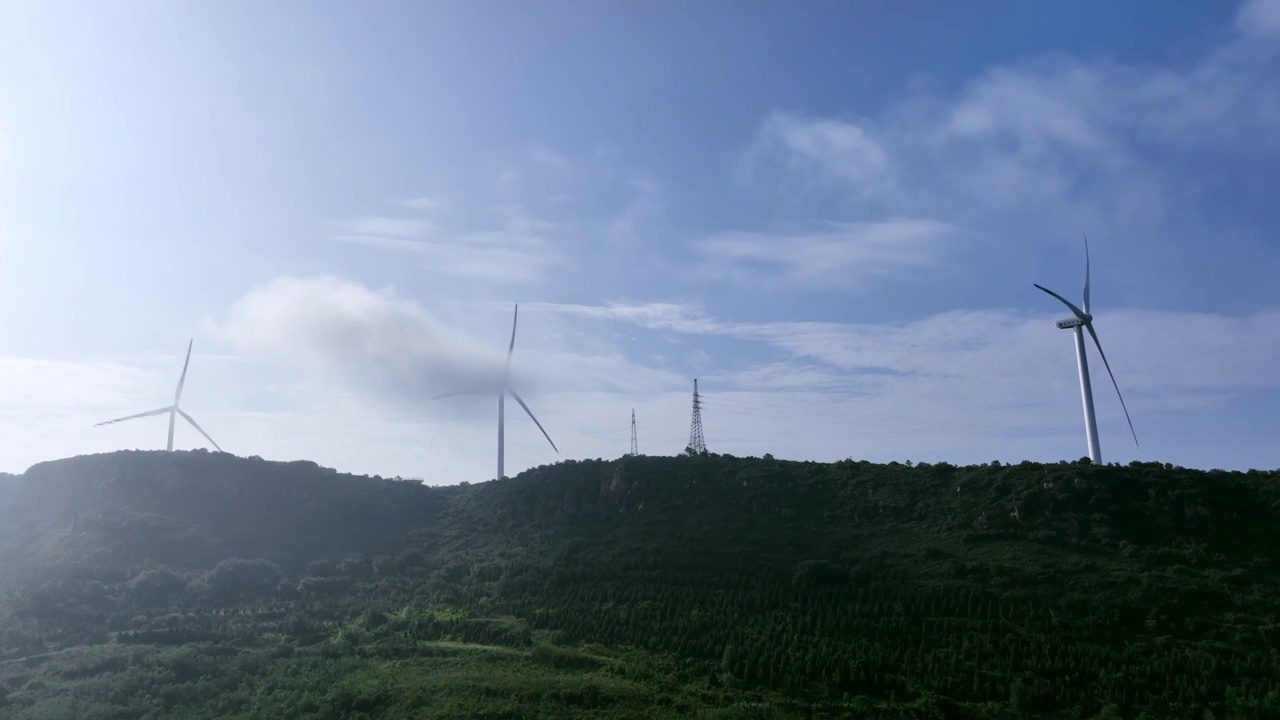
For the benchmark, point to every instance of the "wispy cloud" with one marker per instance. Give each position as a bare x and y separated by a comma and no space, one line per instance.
644,208
993,363
544,155
839,254
678,317
823,151
379,226
424,203
520,249
1054,137
544,210
1259,18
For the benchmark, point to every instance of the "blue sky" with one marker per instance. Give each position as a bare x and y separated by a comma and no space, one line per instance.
831,215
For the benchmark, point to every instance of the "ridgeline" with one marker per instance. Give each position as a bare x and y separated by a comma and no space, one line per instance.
203,585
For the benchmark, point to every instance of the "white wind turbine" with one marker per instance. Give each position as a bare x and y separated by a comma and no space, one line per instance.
1082,321
503,388
173,410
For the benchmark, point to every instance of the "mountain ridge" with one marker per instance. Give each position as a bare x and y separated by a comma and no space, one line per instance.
801,589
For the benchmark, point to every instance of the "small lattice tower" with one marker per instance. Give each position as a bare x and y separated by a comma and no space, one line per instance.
697,443
634,447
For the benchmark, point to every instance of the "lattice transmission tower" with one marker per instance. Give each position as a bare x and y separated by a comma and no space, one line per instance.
634,448
697,443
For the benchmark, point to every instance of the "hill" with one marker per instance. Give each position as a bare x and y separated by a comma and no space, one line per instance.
204,585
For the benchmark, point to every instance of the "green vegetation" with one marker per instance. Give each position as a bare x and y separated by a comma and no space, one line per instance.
200,585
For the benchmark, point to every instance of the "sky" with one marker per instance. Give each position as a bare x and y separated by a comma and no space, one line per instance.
830,215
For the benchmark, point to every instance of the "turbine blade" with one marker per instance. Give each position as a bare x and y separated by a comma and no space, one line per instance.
148,413
1078,312
1086,273
534,419
512,348
1094,334
183,378
196,425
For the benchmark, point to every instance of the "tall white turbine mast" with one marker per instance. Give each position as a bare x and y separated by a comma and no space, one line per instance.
173,410
503,389
1080,322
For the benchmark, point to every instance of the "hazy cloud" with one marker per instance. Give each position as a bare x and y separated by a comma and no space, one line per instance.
424,202
375,339
1259,18
826,150
644,207
1053,137
520,249
544,155
387,226
339,331
839,254
1005,368
679,317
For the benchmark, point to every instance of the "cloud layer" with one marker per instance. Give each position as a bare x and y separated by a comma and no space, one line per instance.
1053,137
839,255
995,370
340,368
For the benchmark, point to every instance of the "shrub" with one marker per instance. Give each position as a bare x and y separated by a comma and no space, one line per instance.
818,573
159,585
239,577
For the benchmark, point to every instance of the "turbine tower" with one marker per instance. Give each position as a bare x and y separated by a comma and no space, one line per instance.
504,388
1081,321
173,410
634,448
697,443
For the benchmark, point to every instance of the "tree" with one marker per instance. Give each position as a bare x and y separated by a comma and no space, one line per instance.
153,587
238,577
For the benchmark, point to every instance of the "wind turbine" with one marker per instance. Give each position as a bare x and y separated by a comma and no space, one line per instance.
173,410
503,389
1081,321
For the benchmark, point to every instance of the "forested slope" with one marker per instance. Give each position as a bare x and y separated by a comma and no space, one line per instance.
204,585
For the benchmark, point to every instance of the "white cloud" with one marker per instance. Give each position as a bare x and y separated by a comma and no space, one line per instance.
387,226
841,254
334,329
520,250
5,149
819,150
34,385
980,374
679,317
965,386
1054,138
339,331
1259,18
496,257
424,202
644,208
51,406
544,155
544,212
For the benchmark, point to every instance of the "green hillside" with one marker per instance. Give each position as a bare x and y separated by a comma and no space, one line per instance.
200,585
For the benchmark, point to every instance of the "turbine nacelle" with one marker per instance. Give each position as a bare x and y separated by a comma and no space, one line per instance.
1072,323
